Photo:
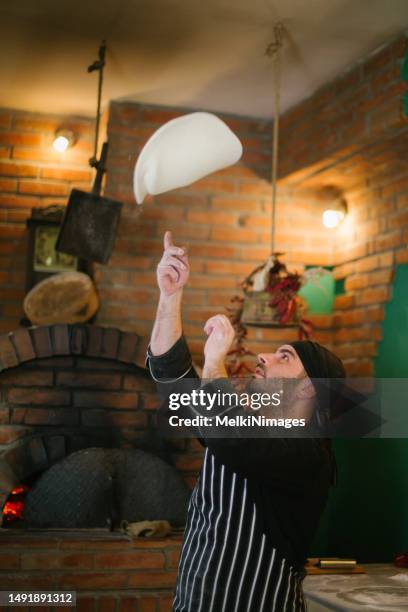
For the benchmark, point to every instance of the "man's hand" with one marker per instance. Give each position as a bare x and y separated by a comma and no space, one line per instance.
172,275
173,269
220,337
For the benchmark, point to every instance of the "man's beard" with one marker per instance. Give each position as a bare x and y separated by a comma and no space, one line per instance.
284,387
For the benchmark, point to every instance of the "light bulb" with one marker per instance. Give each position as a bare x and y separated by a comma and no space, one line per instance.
332,218
63,140
61,144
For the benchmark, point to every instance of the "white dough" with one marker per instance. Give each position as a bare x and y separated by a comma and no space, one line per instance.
183,151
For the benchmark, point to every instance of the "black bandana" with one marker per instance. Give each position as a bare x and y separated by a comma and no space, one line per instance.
318,361
334,397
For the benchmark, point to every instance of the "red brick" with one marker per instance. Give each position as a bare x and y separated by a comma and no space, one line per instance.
214,184
402,256
89,581
20,377
4,415
128,604
151,401
166,603
9,561
102,418
90,399
44,416
357,281
213,250
380,277
211,217
235,204
374,313
232,234
40,188
351,317
134,382
107,604
159,115
373,296
85,604
130,560
8,356
27,540
151,580
148,604
27,582
82,542
11,231
356,349
5,119
12,433
283,335
344,302
9,185
22,341
13,169
89,379
173,557
66,174
17,138
14,201
388,241
54,560
55,397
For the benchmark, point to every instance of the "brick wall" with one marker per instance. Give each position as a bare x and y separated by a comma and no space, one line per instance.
110,572
70,387
352,134
33,174
354,109
224,219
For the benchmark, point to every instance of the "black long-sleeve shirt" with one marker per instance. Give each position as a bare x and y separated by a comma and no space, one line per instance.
252,515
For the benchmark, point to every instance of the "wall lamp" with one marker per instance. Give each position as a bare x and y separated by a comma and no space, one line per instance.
63,140
335,207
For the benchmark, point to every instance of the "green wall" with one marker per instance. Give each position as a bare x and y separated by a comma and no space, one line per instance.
367,513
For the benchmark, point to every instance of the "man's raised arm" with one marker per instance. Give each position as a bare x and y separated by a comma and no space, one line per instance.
172,275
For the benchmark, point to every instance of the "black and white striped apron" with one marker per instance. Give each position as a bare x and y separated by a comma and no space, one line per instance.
227,563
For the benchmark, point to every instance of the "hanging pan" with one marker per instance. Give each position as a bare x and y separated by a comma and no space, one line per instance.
90,222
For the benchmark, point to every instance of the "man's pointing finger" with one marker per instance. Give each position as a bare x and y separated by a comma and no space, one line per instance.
167,240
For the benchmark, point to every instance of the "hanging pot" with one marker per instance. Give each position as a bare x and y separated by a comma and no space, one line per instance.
271,298
258,312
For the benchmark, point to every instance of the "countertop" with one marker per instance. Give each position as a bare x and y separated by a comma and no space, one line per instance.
383,588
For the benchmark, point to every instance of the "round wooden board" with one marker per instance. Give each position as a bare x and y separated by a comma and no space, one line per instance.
68,297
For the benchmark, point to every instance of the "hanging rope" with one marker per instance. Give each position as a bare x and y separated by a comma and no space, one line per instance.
273,51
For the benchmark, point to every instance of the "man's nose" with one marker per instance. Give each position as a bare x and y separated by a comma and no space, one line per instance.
264,358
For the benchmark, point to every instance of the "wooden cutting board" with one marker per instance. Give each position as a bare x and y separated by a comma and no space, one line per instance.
311,568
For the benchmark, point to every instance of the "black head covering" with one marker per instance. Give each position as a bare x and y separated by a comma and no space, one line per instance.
334,396
318,361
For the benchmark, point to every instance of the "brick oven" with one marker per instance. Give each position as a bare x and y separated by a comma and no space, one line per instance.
66,388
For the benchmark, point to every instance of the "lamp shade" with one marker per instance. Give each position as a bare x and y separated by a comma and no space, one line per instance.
183,151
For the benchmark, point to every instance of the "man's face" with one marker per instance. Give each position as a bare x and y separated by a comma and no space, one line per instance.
284,363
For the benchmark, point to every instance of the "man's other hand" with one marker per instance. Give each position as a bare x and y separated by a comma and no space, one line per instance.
173,269
220,337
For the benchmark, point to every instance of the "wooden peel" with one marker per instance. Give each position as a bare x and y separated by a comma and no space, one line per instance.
68,297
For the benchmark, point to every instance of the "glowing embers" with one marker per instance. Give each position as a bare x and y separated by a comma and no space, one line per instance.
14,507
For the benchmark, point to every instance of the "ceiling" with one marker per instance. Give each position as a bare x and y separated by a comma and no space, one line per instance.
194,53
